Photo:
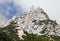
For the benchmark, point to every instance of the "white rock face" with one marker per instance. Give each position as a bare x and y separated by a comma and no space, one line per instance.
3,20
25,23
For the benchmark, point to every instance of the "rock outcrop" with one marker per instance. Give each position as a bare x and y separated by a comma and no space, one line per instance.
37,22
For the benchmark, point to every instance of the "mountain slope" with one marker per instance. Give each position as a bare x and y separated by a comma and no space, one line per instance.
3,20
36,21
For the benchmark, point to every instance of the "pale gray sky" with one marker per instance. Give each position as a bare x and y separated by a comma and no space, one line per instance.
51,7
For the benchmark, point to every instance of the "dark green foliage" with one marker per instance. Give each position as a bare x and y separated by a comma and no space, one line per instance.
34,21
10,32
56,38
46,22
43,31
21,17
28,37
3,36
34,37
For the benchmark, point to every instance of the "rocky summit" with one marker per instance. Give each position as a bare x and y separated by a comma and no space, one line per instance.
36,21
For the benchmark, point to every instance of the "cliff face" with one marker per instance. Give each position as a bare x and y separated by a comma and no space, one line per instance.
36,21
3,20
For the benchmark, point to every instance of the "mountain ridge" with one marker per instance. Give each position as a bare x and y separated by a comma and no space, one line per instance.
3,20
36,21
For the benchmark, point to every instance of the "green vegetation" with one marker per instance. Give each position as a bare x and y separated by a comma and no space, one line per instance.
46,22
56,38
9,33
34,37
40,22
34,21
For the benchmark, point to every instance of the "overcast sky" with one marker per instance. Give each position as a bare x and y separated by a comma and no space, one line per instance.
51,7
